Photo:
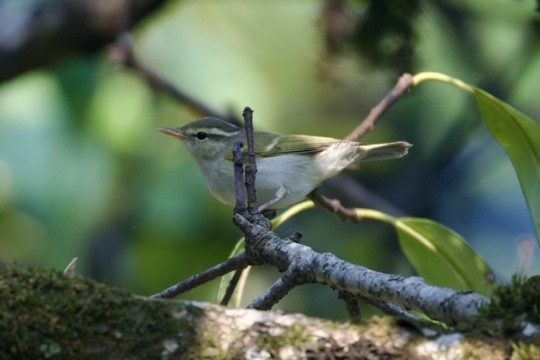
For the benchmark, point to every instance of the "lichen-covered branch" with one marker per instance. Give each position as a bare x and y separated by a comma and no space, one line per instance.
442,304
45,314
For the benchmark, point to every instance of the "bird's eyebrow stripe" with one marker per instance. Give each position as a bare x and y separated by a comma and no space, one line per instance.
215,132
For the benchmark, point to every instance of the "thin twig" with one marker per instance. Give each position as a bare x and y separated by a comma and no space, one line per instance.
251,167
231,287
367,125
240,205
351,302
334,206
357,194
234,263
122,53
286,282
390,309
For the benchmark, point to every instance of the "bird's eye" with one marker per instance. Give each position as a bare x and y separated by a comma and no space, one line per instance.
201,135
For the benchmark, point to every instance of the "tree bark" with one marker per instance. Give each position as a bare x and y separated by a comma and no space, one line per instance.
46,314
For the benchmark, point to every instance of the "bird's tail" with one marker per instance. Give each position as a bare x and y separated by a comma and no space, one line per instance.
386,151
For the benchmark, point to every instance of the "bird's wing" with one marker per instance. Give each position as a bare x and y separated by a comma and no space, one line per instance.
270,144
287,144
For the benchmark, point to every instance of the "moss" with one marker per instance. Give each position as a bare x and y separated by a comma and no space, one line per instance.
45,314
515,303
523,351
294,336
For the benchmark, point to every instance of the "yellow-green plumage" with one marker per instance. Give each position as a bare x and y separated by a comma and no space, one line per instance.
289,166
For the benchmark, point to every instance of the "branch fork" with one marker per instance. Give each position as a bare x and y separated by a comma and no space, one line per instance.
392,294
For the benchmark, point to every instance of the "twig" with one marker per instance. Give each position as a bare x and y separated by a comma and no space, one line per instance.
122,53
234,263
390,309
251,167
442,304
231,287
351,302
240,205
367,125
334,206
286,282
360,196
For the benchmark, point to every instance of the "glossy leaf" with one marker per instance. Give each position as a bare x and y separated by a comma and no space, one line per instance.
442,257
519,135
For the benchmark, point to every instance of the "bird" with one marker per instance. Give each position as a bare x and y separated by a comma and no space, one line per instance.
289,167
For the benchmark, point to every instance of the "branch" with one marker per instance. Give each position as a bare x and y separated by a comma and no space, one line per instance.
368,124
46,314
232,286
251,167
442,304
358,195
235,263
121,53
334,205
288,281
39,33
240,205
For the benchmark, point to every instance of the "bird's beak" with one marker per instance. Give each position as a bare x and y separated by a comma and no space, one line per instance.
174,132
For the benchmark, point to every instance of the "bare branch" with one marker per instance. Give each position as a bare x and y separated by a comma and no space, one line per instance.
449,306
367,125
240,205
238,262
121,53
390,309
286,282
358,195
251,167
333,205
352,305
232,286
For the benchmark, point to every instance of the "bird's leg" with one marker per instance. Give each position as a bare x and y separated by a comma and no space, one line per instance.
281,193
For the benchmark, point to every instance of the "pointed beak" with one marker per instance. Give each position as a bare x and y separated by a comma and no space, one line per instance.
174,132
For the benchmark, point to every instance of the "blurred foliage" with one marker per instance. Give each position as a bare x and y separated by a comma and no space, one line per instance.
386,34
84,173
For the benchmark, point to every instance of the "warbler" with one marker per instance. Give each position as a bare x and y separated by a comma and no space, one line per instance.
289,167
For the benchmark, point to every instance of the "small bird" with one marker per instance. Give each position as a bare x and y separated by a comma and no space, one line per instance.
289,167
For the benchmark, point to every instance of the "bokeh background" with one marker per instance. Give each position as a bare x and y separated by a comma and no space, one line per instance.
84,173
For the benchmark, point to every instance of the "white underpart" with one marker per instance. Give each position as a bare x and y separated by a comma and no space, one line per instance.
283,180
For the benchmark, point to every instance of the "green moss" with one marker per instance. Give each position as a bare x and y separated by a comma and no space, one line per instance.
294,336
515,302
523,351
45,314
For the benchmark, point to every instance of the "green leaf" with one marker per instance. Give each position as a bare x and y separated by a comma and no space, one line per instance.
519,135
442,257
438,254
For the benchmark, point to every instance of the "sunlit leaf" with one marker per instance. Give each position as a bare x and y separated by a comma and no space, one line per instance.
519,135
442,257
